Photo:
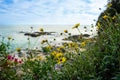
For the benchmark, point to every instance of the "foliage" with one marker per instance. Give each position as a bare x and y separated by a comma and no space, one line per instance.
96,58
112,10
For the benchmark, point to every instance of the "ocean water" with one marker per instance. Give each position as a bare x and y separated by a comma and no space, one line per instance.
35,42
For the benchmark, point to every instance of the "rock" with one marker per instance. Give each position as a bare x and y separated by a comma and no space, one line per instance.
85,35
27,34
77,37
36,34
21,32
73,38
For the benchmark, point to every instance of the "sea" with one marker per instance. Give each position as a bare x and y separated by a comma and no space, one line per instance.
21,41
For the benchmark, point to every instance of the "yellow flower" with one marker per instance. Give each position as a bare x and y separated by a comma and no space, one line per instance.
109,5
59,49
65,44
83,44
66,31
65,38
61,60
114,17
41,30
105,17
70,44
76,25
41,58
33,59
49,47
58,55
9,37
98,25
43,41
53,53
18,49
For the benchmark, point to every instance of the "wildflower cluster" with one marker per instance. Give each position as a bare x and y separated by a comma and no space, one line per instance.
58,56
61,49
83,44
11,60
86,58
38,58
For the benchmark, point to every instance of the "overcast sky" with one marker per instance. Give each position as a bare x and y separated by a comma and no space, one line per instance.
50,11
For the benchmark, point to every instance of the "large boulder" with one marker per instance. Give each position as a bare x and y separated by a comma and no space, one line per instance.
36,34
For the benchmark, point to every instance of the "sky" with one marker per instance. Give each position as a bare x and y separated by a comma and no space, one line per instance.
50,11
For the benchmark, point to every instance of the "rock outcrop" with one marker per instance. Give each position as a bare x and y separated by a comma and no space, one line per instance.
36,34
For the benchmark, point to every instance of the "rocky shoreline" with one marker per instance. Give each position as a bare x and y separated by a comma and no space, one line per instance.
36,34
77,37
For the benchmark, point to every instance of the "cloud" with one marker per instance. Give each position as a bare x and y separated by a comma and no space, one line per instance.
50,11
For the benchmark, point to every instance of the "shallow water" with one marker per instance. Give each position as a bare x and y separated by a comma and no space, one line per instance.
22,41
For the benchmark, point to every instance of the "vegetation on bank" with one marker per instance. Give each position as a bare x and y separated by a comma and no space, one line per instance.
91,59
